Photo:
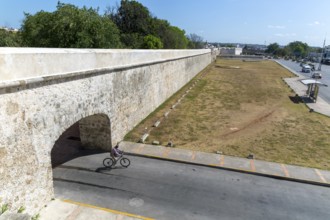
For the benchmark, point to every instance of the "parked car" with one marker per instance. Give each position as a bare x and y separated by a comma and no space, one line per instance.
306,69
311,65
317,75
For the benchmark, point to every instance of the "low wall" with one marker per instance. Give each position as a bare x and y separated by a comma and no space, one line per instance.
36,108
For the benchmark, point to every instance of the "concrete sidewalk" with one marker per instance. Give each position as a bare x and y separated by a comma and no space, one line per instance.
70,210
320,106
257,167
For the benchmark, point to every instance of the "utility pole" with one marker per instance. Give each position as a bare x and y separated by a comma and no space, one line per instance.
320,64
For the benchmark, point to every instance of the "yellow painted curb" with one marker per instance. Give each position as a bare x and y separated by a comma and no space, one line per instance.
107,210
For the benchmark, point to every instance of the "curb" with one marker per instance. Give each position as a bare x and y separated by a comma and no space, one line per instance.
112,211
305,181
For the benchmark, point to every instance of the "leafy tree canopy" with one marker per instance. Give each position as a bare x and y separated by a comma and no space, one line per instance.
137,25
9,38
152,42
298,48
272,48
70,27
133,17
129,25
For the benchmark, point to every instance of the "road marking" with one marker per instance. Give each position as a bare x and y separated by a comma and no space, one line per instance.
285,170
253,168
193,155
320,175
107,210
166,152
222,160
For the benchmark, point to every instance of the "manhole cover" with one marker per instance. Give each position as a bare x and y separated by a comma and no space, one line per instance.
136,202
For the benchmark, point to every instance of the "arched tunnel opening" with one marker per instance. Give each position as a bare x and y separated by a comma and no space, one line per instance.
67,147
90,135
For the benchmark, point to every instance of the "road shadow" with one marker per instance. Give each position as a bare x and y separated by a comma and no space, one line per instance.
68,147
107,169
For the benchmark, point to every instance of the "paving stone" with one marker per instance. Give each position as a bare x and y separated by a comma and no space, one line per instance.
238,163
207,158
303,173
152,150
129,146
14,216
180,154
268,167
326,175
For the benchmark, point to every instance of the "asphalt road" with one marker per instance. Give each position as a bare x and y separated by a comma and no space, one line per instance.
168,190
325,71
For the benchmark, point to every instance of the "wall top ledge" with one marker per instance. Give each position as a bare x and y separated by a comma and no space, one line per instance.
26,63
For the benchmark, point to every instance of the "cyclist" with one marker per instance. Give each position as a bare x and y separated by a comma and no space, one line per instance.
115,152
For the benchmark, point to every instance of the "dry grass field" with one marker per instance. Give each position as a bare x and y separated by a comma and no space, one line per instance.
243,110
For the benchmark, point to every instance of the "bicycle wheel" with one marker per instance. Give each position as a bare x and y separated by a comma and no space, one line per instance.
107,162
125,162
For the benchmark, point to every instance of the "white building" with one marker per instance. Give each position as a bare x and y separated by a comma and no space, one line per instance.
231,50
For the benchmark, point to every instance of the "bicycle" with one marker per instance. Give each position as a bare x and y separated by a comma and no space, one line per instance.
109,162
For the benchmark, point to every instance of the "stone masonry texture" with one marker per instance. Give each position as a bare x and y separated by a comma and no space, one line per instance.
107,100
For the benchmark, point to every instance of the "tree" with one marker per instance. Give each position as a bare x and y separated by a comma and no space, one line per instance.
175,38
36,30
137,25
9,38
134,21
272,48
298,49
152,42
282,52
70,27
195,41
133,17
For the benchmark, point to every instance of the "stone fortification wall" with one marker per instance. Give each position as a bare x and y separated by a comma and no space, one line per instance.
22,63
109,100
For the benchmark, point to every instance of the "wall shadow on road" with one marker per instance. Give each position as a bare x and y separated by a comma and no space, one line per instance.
68,147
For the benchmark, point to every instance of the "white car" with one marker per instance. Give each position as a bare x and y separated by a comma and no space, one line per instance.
317,75
306,69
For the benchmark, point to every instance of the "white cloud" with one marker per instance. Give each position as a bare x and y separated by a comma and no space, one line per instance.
314,23
276,26
285,35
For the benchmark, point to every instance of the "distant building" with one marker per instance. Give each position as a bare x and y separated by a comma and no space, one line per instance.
9,29
326,55
231,50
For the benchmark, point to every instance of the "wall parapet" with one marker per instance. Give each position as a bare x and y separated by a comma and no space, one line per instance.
28,63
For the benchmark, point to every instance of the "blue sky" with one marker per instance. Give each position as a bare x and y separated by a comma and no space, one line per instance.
243,21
